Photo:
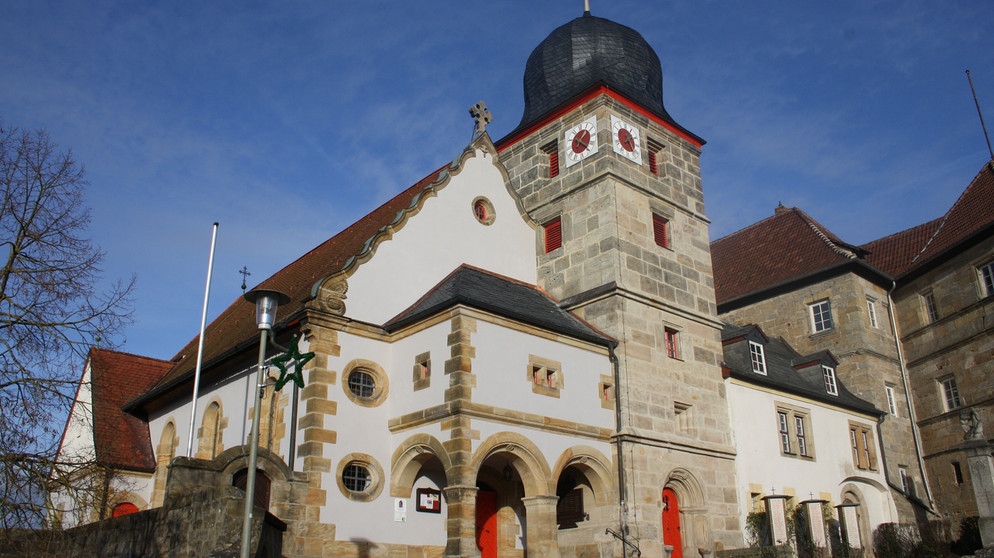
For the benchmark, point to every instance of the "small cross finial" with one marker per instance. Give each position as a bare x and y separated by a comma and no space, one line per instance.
245,273
482,116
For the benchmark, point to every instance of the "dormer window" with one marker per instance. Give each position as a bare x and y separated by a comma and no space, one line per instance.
830,384
758,357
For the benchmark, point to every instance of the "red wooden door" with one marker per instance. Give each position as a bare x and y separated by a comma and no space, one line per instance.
671,523
486,523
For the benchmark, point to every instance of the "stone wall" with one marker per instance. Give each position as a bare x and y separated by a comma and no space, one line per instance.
959,346
610,271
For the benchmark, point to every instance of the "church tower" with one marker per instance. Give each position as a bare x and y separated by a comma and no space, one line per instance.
614,181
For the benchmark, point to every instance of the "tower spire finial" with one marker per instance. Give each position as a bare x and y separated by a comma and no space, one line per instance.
586,6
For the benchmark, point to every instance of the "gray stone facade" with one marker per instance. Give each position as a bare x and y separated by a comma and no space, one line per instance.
675,427
959,346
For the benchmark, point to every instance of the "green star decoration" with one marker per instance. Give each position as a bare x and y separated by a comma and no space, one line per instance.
299,360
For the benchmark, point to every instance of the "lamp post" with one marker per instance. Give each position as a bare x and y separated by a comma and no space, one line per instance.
266,303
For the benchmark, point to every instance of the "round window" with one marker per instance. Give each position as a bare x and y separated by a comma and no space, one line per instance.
356,477
483,210
362,384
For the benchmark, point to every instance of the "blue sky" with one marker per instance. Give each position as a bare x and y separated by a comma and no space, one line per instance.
285,122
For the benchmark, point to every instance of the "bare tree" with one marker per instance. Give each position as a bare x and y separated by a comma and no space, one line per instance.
52,310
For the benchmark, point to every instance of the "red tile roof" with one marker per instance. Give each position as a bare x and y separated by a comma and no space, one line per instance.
121,440
786,246
237,323
916,247
791,245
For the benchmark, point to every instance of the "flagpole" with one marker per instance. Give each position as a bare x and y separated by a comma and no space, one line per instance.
200,345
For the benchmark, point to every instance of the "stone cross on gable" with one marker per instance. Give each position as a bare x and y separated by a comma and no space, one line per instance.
482,116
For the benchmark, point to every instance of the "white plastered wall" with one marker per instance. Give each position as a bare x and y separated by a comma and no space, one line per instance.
443,235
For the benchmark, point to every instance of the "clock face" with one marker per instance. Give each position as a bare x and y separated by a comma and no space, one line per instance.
626,140
581,141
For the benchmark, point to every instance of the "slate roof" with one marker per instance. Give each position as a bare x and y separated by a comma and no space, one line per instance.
587,52
781,373
121,440
787,246
483,290
915,249
235,327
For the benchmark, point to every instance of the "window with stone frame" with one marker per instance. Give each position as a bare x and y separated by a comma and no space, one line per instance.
864,453
794,431
553,234
820,314
422,371
672,337
655,149
986,273
661,230
891,399
871,310
606,391
950,393
758,357
906,484
551,149
546,376
929,306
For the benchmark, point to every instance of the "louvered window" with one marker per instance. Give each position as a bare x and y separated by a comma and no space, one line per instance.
552,150
553,234
654,149
661,231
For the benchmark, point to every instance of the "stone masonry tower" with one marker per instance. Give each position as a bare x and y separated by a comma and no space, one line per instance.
615,183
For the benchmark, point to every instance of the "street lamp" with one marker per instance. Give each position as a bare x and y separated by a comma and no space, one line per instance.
266,303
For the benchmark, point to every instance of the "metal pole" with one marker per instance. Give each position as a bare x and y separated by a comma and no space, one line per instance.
200,345
254,450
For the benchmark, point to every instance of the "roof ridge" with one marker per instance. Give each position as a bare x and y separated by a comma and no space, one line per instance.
816,228
945,218
97,349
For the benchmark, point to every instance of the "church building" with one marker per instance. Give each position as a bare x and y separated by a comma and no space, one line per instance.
528,353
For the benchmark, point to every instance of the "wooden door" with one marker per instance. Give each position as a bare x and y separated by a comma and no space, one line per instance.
671,523
486,523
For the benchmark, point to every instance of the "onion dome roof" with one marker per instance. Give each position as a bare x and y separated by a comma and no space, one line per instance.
586,52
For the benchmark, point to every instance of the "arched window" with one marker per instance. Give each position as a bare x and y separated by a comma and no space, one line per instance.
124,508
210,433
261,497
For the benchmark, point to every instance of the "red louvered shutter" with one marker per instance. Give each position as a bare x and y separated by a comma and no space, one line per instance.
553,234
660,232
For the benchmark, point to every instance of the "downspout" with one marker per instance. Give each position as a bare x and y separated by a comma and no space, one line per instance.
907,393
623,521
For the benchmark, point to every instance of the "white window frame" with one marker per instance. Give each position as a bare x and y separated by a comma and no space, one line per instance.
986,275
794,432
905,479
929,306
871,309
758,357
831,382
820,314
951,399
891,400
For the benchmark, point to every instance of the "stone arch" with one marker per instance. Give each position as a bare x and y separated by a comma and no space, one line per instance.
594,465
852,494
695,531
210,435
408,459
269,415
164,454
232,460
526,459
